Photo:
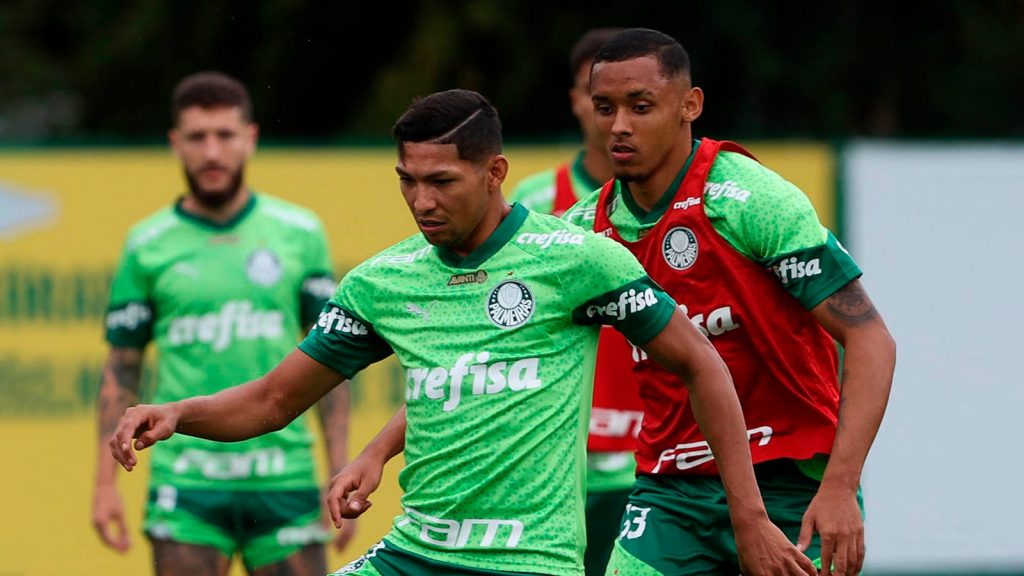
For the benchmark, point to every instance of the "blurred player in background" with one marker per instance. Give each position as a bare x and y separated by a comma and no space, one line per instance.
616,414
745,255
490,314
224,282
555,190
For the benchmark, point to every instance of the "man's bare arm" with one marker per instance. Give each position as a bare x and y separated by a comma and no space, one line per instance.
868,365
119,389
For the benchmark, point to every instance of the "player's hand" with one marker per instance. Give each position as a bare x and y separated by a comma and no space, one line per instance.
835,516
765,551
350,488
146,424
342,536
108,518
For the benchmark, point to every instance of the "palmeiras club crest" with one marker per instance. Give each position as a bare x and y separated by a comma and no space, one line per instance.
680,248
263,267
510,304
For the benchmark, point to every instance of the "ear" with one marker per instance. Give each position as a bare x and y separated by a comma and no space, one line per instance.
497,170
693,104
252,135
578,102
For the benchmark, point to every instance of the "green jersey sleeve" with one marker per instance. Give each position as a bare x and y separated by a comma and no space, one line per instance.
772,222
813,274
318,284
343,338
129,320
612,289
758,211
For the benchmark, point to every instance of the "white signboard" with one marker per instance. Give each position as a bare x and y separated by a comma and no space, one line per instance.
937,229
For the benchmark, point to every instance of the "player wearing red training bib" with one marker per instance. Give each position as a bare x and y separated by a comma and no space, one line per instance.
743,253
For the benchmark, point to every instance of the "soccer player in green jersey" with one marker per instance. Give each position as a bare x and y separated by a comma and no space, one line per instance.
610,469
224,282
490,309
746,257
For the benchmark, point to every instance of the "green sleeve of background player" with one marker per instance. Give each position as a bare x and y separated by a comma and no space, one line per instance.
318,283
129,321
536,192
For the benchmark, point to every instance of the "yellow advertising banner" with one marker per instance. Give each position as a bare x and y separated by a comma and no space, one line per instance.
64,215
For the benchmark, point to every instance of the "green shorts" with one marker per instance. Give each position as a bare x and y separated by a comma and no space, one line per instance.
386,559
680,525
604,514
263,526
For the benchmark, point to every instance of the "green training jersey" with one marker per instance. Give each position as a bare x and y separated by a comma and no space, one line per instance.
537,191
497,392
759,213
223,304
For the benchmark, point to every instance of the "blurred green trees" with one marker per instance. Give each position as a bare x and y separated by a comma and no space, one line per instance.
324,70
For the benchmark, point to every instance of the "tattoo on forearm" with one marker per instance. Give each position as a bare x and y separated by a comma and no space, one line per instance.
119,389
851,305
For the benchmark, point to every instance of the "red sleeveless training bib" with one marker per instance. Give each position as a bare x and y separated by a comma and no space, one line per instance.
565,196
782,361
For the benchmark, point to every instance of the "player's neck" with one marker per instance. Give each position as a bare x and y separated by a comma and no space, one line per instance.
219,214
647,192
494,217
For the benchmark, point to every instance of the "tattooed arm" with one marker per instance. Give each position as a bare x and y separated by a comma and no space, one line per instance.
868,365
119,389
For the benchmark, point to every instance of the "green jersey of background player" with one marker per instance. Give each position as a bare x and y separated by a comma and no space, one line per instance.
223,282
610,475
490,314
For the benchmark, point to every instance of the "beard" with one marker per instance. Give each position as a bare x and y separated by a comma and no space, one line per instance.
215,198
627,175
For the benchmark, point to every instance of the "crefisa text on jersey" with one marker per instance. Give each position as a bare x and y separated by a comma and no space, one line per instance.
630,302
486,378
336,319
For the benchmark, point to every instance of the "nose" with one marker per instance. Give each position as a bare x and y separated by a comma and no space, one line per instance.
422,199
621,125
211,147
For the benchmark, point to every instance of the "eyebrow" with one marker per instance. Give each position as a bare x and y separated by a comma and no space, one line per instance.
645,92
638,93
436,174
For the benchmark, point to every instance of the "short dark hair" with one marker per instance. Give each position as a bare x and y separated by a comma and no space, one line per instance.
640,42
584,49
210,89
461,117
